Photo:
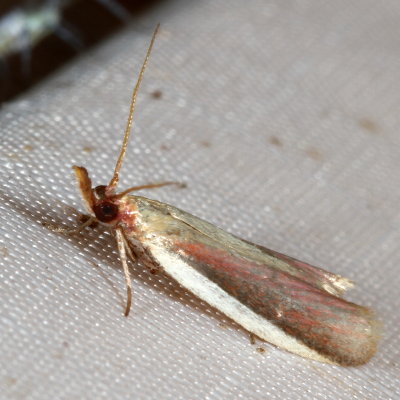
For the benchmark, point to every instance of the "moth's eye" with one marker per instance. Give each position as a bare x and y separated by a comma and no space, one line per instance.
106,212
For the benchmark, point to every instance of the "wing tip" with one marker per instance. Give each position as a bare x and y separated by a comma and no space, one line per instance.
361,351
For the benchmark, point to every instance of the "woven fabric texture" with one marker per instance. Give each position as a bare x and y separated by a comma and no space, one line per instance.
282,118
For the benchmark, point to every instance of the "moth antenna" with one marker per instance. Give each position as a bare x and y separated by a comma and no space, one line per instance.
114,180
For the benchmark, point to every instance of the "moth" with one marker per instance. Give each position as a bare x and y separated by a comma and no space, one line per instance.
289,303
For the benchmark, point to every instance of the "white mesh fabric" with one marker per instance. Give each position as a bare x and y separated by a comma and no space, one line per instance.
282,118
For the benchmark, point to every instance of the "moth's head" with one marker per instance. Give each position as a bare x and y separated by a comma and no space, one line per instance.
100,201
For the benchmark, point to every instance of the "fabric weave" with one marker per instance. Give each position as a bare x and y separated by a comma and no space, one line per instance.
282,119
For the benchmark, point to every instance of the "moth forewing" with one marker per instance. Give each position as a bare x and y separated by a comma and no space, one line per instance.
285,304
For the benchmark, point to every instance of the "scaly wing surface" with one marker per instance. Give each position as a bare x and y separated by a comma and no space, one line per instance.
287,302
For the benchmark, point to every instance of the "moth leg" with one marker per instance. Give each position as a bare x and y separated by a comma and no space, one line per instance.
134,256
66,231
252,338
123,249
155,185
151,186
128,249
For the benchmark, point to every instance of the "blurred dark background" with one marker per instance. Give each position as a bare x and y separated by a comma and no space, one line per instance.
38,36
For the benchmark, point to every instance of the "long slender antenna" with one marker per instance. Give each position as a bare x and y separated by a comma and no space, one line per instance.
114,180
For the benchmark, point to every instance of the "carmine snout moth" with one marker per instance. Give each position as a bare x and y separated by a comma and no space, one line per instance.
286,302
